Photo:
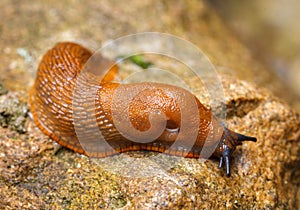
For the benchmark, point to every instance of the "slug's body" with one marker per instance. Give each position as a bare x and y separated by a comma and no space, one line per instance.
63,110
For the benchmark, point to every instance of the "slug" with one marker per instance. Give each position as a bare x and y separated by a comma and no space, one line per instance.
151,120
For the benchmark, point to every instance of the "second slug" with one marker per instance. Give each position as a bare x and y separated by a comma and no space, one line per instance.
151,120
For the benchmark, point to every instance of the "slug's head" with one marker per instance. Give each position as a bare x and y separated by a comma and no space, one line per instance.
227,145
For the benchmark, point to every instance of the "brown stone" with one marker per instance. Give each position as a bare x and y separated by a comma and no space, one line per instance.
33,174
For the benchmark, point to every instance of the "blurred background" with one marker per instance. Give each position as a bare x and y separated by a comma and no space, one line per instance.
271,29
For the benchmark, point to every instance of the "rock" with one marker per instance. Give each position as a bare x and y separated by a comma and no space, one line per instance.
3,90
33,174
13,112
264,174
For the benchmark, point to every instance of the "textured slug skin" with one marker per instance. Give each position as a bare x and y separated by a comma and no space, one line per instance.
56,105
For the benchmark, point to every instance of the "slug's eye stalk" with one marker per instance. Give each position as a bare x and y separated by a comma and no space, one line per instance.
242,138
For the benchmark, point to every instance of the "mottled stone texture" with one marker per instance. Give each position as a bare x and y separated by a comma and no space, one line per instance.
35,175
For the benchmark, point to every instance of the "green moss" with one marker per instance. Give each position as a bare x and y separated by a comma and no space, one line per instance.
138,60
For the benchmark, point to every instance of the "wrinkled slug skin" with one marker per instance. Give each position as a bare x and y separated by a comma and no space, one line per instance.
53,97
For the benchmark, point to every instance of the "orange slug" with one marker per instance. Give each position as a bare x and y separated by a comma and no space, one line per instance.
155,109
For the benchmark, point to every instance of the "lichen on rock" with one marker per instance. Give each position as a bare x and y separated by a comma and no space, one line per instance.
13,112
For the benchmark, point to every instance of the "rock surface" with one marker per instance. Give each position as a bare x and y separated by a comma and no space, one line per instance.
264,174
34,174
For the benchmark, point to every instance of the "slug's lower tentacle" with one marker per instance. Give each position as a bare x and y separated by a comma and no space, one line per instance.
225,156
